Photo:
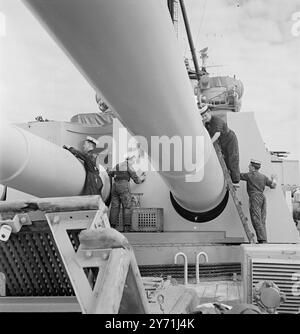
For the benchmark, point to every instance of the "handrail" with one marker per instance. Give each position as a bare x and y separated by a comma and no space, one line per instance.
197,264
185,266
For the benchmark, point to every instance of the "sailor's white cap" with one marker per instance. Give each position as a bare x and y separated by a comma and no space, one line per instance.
92,140
255,163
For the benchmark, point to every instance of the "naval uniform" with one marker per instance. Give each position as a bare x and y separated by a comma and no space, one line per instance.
93,183
121,193
256,183
228,144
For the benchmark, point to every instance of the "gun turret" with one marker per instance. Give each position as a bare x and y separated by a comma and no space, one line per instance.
131,57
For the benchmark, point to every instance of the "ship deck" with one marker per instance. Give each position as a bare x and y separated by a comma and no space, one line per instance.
185,298
177,299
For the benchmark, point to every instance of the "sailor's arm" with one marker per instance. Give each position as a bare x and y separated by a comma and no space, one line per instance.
217,127
136,179
75,152
272,183
110,173
244,176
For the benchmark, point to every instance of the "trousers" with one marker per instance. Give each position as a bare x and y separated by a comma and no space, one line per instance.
120,195
258,213
230,149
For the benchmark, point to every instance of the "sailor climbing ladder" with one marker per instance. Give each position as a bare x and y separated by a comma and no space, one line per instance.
232,191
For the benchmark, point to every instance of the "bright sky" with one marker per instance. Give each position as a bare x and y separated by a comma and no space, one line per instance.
253,39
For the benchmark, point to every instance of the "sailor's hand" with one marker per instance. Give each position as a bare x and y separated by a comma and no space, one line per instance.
143,177
274,179
66,147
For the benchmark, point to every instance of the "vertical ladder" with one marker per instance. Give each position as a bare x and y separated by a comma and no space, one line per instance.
230,187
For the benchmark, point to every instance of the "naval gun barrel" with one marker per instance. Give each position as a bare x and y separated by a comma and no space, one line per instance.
129,53
36,166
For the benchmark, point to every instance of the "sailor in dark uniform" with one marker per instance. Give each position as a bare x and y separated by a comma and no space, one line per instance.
256,183
93,183
121,194
218,129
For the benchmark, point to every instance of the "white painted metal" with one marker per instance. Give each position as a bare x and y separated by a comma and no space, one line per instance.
36,166
197,264
129,53
279,223
185,265
285,274
279,263
105,296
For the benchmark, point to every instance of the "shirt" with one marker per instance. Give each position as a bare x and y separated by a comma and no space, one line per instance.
123,171
256,182
216,124
93,183
88,158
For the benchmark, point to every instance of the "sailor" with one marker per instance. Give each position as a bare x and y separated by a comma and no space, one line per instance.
256,183
121,194
218,129
93,183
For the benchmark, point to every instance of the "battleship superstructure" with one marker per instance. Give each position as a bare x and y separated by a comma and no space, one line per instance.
150,102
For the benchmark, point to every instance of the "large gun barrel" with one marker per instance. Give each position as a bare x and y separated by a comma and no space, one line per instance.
36,166
128,52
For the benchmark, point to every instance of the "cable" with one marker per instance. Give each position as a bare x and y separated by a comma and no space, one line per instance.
201,20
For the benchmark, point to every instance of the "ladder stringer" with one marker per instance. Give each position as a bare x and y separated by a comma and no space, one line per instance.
104,280
237,202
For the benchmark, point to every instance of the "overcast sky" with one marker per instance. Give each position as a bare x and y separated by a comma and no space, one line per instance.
252,39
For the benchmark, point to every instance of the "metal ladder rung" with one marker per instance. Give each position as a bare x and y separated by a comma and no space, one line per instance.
237,202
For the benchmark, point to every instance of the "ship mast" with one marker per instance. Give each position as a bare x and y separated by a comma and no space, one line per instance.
190,38
172,5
